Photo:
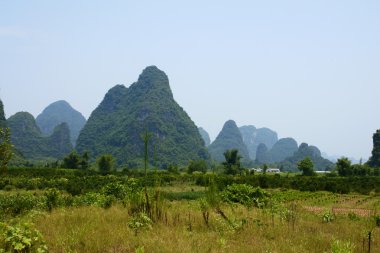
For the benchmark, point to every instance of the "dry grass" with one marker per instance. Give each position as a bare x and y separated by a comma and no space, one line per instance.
91,229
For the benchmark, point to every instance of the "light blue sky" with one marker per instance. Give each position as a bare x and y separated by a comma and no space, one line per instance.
307,69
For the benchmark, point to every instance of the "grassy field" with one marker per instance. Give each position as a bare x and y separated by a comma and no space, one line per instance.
183,218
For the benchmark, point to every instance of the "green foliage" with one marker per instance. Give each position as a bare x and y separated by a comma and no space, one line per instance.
105,163
75,161
246,195
5,149
116,124
232,162
229,138
57,113
342,247
52,198
28,139
306,166
140,221
343,165
3,121
16,204
374,160
21,238
71,161
197,165
328,217
117,190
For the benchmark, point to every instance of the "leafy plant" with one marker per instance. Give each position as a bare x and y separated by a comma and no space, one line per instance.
246,195
342,247
140,221
328,217
21,238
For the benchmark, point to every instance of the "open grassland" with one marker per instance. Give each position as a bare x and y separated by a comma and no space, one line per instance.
94,229
94,213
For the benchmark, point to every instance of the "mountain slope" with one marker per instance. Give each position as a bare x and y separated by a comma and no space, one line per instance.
116,125
205,136
229,138
57,113
28,140
304,151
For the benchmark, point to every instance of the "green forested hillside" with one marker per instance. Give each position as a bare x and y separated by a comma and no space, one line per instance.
229,138
57,113
281,150
304,151
116,125
28,140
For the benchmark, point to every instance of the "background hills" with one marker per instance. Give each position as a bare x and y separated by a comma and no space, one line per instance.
57,113
116,127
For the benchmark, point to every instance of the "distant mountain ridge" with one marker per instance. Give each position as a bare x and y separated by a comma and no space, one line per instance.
253,137
116,125
228,138
57,113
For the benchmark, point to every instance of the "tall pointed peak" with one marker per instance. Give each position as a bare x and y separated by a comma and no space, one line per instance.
152,79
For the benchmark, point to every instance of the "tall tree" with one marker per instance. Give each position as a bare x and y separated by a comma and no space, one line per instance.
306,166
374,160
105,163
232,163
343,165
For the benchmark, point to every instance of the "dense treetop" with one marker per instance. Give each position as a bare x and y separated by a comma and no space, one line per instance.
116,125
374,160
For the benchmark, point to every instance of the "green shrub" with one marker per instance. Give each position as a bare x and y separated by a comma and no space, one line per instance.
117,190
328,217
8,188
21,238
52,198
246,195
342,247
16,204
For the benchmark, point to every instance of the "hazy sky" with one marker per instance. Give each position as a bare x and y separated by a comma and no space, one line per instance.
307,69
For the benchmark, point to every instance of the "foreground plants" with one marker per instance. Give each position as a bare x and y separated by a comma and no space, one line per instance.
22,237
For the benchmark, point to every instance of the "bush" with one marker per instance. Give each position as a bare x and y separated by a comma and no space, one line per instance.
21,238
13,205
246,195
